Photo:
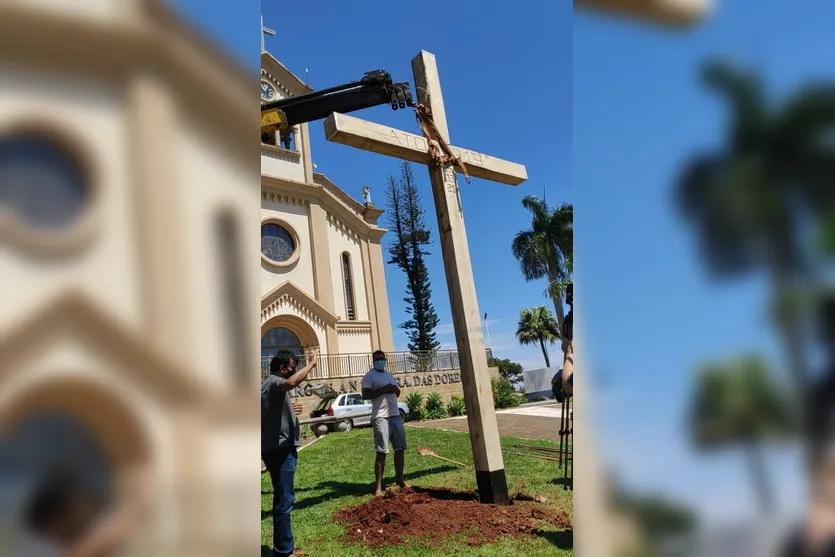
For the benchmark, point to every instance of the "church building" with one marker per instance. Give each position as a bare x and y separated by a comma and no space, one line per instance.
128,209
322,277
128,212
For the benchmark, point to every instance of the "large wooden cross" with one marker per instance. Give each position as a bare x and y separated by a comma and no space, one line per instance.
478,395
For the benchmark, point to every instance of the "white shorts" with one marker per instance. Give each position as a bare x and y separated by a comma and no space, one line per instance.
389,430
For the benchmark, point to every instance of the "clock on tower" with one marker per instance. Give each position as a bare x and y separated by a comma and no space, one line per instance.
267,91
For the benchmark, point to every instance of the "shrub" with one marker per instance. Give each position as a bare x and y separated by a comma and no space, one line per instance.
434,408
414,401
507,369
456,406
503,394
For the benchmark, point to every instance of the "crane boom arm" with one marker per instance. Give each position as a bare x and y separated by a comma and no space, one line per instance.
375,88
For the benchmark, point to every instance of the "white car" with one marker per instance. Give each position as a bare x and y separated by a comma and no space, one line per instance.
352,410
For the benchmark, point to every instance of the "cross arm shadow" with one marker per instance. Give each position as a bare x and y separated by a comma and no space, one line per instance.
564,539
562,482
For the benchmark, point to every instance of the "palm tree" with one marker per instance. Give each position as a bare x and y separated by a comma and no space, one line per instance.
556,288
547,248
537,325
739,403
755,201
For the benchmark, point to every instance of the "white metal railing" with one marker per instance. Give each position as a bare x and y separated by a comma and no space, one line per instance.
339,366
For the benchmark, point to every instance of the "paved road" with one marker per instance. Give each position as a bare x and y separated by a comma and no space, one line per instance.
531,422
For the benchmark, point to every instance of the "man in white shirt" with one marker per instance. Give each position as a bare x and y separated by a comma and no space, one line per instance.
380,387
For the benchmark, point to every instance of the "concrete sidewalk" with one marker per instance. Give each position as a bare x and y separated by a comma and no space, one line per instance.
530,421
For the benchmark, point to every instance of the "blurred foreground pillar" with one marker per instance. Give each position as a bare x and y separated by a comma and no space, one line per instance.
672,13
129,199
592,519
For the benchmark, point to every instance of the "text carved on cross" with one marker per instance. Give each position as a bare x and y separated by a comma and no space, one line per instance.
452,181
468,157
370,136
420,143
409,140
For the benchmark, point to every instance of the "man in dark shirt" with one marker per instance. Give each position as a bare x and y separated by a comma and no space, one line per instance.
562,384
816,536
279,439
568,343
820,403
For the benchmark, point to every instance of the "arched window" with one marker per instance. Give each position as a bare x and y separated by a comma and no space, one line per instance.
277,340
348,285
231,266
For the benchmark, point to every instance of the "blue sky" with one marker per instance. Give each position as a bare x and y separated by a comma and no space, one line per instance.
651,312
615,108
504,96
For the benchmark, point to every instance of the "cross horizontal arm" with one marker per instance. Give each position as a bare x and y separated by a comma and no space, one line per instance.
384,140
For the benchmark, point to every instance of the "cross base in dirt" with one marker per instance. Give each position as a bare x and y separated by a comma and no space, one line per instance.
478,394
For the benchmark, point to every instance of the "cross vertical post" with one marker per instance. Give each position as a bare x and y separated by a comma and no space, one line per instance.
466,318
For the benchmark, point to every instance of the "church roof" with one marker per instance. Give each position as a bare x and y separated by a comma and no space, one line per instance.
75,317
306,302
361,219
161,12
339,193
283,75
140,35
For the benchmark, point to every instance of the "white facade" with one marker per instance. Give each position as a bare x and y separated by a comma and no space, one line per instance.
121,317
322,280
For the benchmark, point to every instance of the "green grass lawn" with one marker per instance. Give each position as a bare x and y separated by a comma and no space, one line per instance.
338,470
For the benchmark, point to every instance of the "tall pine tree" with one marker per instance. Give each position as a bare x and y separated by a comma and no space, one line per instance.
406,220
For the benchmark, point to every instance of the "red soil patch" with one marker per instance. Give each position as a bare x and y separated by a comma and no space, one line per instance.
417,513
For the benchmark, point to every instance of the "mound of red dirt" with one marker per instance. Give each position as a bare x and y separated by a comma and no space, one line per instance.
436,513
